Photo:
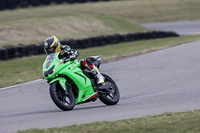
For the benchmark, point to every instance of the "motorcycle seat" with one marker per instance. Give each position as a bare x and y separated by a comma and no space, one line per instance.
96,60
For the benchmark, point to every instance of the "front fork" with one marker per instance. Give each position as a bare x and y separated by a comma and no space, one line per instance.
62,82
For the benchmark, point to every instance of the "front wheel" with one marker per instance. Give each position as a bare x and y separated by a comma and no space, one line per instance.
113,97
64,100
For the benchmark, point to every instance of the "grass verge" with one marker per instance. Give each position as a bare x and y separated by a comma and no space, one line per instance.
79,26
186,122
30,68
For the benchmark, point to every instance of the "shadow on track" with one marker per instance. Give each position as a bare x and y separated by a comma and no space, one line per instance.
86,108
55,111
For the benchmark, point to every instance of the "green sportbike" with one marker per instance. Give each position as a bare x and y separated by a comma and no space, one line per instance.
71,84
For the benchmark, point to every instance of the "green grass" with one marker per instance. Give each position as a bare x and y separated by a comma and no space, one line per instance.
79,26
186,122
34,25
30,68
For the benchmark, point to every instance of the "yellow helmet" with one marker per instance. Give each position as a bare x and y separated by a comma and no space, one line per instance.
51,45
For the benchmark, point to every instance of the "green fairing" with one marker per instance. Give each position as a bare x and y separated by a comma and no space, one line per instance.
61,81
70,69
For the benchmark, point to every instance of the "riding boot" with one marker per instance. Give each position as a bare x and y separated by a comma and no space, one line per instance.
97,74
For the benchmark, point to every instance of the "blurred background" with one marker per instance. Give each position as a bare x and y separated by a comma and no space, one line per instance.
110,28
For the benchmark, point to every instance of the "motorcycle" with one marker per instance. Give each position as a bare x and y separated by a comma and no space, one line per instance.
71,84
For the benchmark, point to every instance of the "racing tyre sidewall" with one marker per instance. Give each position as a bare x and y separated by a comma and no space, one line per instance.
116,95
54,96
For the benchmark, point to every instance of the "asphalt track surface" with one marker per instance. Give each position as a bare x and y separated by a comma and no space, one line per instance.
150,84
182,28
153,83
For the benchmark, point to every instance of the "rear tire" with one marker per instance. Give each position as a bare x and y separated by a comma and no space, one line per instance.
62,100
113,97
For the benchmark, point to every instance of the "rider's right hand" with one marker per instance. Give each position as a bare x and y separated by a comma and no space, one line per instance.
63,46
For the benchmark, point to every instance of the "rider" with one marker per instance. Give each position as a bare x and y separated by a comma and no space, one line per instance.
52,45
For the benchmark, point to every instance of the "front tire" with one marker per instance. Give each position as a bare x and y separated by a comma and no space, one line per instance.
113,97
64,101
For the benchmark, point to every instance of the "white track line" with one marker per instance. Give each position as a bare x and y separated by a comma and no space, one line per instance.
20,84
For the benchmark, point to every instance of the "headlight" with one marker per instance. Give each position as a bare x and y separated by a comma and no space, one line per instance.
50,71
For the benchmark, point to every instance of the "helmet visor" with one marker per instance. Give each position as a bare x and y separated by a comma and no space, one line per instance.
52,50
49,50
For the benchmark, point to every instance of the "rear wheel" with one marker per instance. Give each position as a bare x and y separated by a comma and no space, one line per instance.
64,100
113,97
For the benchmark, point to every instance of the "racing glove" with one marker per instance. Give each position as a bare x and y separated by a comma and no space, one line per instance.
65,49
72,57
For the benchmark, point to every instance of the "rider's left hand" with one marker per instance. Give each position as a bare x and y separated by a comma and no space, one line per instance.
72,57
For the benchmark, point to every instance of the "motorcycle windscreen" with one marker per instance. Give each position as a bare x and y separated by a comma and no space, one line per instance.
49,60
